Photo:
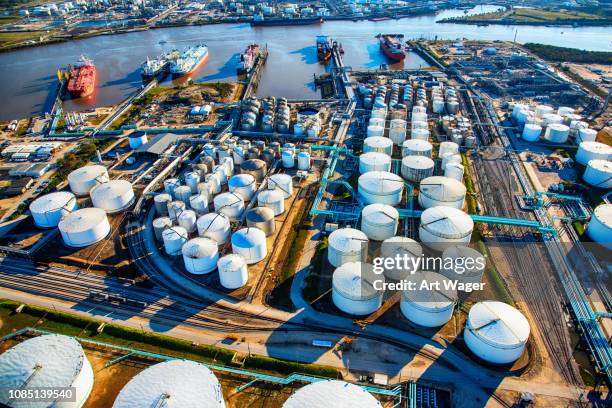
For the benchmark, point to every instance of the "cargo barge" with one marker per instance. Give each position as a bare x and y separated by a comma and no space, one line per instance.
260,21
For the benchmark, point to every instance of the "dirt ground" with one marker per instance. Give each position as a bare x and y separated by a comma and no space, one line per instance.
586,71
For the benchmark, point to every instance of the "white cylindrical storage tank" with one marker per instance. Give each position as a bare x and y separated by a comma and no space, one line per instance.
84,227
378,144
233,272
229,204
48,210
419,134
586,135
174,383
532,132
238,155
303,160
419,117
588,151
375,131
243,185
380,187
550,119
542,110
200,255
416,168
161,224
556,133
288,159
250,243
114,196
261,218
187,219
441,191
199,203
353,289
454,171
448,147
161,202
50,361
347,245
215,226
174,238
418,124
450,158
137,139
406,247
257,168
600,225
272,199
222,171
214,180
442,227
83,179
416,147
170,184
192,179
374,161
468,272
376,122
282,182
599,173
320,393
496,332
175,208
182,193
425,307
379,221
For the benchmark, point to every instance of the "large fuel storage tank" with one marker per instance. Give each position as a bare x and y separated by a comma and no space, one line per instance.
408,249
233,272
379,221
448,147
200,255
159,225
282,182
272,199
374,161
170,184
48,210
255,167
175,208
442,227
428,307
463,263
137,139
532,132
441,191
244,185
496,332
114,196
161,203
343,394
172,384
556,133
84,227
174,238
353,288
417,168
83,179
215,226
262,218
600,225
416,147
230,205
199,203
454,171
347,245
187,219
599,173
380,187
588,151
182,193
46,362
378,144
250,243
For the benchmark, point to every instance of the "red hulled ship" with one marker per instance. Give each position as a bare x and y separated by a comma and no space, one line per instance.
82,80
391,46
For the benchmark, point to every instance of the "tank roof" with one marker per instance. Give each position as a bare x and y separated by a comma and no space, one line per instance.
326,393
355,280
446,221
52,201
498,323
82,220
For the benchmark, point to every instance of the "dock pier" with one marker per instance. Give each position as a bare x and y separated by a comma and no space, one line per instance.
253,77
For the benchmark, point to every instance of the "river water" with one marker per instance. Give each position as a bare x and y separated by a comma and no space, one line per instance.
27,76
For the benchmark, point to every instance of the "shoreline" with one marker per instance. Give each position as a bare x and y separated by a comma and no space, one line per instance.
564,23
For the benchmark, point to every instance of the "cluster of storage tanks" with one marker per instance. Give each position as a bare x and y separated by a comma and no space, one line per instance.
555,126
172,383
274,115
188,228
85,226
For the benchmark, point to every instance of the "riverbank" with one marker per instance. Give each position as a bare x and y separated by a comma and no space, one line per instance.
534,16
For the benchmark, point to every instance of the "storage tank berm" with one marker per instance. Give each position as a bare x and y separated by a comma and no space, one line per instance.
48,210
172,384
496,332
84,227
353,288
50,361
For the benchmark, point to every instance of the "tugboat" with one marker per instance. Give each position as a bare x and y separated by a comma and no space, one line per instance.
391,46
324,49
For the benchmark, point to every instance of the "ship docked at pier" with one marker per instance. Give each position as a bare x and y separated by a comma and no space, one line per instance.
391,46
261,21
189,60
81,78
324,48
155,67
247,59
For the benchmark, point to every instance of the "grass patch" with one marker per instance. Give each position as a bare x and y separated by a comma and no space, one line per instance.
562,54
9,19
310,291
470,197
587,84
13,38
64,323
493,277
